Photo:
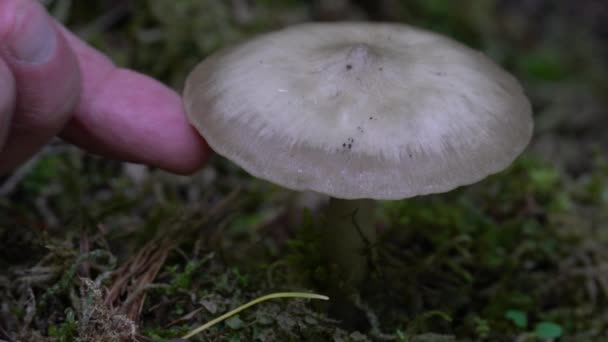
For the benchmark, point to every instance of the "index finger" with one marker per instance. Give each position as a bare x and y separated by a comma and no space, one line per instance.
129,116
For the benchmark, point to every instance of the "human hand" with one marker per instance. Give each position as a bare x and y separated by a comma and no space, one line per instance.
52,83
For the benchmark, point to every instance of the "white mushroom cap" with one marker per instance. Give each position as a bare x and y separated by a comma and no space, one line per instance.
359,110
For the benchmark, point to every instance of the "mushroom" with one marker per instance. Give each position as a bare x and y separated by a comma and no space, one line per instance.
359,112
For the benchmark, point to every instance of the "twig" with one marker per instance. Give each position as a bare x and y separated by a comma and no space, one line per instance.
18,175
252,303
140,290
104,21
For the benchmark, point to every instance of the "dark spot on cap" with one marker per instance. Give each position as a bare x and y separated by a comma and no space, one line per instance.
348,66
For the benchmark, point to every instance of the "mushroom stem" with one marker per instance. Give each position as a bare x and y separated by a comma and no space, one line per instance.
349,233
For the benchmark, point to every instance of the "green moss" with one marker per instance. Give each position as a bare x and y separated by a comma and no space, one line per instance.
66,331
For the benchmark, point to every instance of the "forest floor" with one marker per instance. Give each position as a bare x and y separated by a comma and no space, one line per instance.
97,250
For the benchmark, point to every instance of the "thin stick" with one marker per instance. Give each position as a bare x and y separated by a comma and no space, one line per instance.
252,303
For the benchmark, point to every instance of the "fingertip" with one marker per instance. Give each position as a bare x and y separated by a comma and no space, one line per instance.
197,154
45,68
27,32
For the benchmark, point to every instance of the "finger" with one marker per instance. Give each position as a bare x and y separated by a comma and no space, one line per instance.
129,116
7,100
46,76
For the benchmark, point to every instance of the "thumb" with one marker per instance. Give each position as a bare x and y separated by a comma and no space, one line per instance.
46,76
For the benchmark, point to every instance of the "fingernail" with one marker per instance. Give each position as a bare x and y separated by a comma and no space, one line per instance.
33,37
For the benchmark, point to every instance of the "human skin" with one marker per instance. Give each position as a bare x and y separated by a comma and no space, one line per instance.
54,84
